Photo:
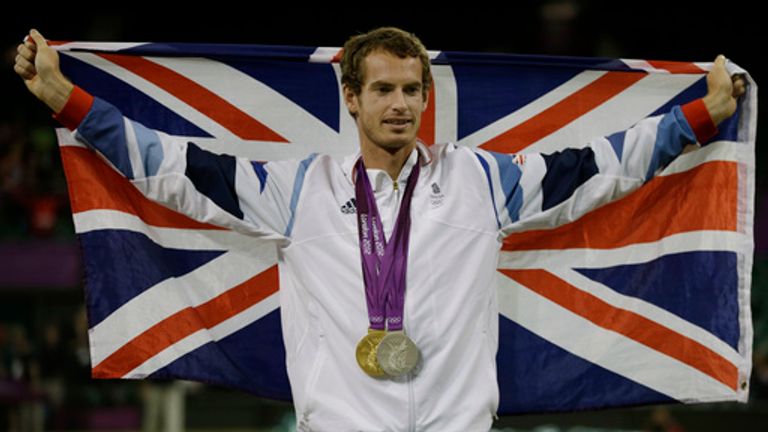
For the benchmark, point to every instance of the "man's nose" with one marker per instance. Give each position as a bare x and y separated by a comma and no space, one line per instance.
398,100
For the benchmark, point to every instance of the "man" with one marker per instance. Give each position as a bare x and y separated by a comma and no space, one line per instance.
398,218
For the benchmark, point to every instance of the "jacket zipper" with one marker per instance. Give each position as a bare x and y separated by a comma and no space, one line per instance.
411,407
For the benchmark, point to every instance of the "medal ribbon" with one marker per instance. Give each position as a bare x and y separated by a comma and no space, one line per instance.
384,262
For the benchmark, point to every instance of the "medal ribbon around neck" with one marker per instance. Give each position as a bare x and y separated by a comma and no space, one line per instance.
384,262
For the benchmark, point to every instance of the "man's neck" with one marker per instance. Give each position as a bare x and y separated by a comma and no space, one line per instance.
375,157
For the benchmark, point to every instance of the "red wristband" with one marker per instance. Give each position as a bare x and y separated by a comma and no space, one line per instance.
701,122
76,108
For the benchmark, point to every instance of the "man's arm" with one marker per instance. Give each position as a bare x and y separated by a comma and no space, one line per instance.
251,197
542,190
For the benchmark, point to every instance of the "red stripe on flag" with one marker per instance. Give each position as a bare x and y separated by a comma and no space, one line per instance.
427,128
629,324
198,97
186,322
93,185
676,67
564,112
702,198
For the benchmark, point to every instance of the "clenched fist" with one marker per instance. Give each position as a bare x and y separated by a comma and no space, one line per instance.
38,65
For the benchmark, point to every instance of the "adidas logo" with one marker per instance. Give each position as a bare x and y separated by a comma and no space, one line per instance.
435,188
349,207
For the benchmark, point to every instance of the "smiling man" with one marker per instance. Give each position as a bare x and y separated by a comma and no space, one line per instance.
385,89
388,258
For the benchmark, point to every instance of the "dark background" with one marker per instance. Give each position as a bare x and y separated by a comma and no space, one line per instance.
43,324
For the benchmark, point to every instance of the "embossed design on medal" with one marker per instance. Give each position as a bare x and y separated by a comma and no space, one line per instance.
366,353
397,354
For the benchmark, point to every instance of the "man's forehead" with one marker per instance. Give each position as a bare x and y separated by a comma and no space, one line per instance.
384,67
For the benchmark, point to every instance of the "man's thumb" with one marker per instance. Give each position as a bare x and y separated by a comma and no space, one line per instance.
37,38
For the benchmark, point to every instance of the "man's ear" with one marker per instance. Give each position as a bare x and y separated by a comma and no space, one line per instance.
350,99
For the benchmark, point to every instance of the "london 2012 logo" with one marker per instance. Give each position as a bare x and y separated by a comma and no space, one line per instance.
437,197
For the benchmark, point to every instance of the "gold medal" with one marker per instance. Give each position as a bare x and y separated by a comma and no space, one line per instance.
366,352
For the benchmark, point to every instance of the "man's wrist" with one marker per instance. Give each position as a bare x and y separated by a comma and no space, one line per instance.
59,91
718,108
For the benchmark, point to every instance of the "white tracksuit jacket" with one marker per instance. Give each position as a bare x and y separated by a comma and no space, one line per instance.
465,201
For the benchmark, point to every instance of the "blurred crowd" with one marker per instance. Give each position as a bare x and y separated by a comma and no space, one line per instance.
45,379
33,191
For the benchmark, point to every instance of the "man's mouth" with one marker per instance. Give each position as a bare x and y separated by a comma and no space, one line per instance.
397,122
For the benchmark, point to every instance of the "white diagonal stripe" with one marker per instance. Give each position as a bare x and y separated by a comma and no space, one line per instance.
172,295
254,98
643,65
649,311
523,114
175,238
163,97
201,337
716,151
608,349
631,254
96,46
618,113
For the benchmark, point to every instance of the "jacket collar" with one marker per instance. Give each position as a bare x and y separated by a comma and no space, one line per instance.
425,158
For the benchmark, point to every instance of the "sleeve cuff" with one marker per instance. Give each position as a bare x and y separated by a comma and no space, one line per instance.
698,118
77,107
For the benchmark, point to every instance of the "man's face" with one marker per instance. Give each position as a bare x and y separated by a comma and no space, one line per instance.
390,102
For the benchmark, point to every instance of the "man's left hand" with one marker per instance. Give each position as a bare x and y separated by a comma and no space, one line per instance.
722,91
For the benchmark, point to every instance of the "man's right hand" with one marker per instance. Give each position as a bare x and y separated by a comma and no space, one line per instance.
38,65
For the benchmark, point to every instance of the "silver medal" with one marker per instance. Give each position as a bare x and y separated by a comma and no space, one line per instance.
397,354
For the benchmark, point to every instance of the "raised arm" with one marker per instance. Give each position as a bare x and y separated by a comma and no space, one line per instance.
247,196
536,190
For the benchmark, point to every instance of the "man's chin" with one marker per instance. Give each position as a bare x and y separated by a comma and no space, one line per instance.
395,145
396,142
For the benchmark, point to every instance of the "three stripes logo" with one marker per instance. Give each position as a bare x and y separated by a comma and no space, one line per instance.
349,207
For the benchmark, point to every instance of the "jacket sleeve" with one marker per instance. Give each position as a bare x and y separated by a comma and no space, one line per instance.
546,190
247,196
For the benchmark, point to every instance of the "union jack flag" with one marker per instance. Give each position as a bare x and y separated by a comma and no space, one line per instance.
643,300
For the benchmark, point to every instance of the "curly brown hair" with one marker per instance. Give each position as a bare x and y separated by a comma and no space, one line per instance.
391,39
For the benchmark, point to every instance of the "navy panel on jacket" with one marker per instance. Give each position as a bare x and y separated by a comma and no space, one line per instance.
566,170
214,176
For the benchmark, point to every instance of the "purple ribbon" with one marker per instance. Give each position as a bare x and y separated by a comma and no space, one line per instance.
384,262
